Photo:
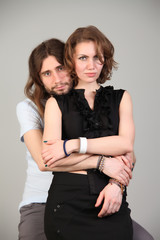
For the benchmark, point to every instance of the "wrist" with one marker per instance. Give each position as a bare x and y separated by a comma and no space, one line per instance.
92,162
106,165
83,145
73,145
100,163
120,185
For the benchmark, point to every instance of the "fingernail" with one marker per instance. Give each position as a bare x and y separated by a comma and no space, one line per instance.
133,164
45,141
132,169
45,165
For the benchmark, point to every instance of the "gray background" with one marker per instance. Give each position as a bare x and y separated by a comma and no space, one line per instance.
133,27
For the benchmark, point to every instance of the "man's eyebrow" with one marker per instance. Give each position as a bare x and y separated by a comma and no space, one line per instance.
50,70
44,71
59,66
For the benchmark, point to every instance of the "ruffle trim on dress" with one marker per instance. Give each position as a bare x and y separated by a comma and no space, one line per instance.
101,107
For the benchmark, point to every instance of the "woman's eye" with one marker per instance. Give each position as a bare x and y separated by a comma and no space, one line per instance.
96,58
83,58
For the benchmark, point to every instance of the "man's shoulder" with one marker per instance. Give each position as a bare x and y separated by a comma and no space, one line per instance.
26,105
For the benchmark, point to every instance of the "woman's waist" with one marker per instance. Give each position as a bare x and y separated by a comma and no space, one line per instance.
80,172
70,178
93,179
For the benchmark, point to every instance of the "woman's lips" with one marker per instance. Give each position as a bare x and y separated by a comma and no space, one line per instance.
91,74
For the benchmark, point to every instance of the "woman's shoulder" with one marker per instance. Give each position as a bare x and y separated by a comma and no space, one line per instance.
64,99
112,89
56,101
111,95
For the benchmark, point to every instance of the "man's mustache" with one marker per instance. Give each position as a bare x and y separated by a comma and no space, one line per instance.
57,85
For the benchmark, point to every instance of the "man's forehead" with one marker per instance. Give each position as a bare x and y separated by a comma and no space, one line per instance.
50,63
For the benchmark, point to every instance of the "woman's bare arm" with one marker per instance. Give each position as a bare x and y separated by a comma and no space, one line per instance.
33,141
110,145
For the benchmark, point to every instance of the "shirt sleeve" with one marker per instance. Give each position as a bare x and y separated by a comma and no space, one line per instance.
28,117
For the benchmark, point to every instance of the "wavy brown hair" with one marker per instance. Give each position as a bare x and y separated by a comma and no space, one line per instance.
103,46
34,88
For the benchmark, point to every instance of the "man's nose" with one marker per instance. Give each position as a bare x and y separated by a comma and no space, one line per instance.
56,77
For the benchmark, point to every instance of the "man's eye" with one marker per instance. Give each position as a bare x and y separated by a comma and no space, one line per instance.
47,74
61,68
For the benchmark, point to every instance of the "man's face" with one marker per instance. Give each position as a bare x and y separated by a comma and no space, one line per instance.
54,77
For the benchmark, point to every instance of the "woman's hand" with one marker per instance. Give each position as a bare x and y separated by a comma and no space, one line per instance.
52,151
131,159
118,168
111,197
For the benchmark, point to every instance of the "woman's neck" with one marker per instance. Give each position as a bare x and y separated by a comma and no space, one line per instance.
88,87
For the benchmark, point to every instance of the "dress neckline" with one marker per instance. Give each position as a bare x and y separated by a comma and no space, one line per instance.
82,98
93,117
83,90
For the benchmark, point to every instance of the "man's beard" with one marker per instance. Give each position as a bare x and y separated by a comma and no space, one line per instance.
67,88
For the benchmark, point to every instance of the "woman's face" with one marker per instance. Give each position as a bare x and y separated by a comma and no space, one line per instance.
87,64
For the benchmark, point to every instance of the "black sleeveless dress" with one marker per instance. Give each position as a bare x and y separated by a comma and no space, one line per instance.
70,209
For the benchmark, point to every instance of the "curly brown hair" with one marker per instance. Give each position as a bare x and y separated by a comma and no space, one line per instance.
103,45
34,88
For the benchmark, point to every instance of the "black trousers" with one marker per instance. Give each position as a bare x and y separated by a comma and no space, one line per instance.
71,214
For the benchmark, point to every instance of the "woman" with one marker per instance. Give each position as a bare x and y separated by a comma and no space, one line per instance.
74,208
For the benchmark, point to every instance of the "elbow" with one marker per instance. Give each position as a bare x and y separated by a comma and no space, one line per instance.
129,146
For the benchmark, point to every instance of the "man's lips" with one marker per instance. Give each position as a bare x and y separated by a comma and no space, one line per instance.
60,87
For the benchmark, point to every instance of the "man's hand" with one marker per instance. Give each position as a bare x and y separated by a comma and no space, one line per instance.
112,197
117,167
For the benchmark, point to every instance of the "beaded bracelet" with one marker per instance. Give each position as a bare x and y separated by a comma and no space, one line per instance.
64,148
100,164
122,187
